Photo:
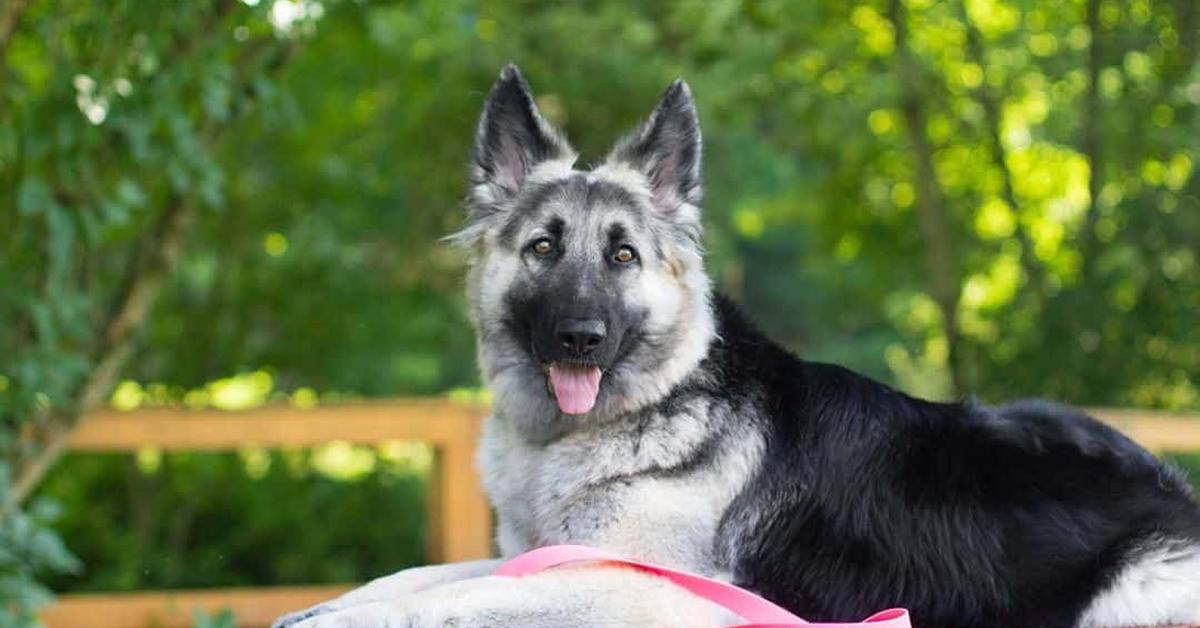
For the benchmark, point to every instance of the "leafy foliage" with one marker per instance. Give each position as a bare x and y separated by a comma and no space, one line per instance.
221,619
110,120
27,548
976,196
812,209
176,520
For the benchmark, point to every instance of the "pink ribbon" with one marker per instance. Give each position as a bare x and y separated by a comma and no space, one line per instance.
758,611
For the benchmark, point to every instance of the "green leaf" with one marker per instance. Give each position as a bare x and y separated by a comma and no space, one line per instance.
33,196
61,250
130,193
221,619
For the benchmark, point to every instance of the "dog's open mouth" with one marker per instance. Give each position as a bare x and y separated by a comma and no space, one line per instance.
575,386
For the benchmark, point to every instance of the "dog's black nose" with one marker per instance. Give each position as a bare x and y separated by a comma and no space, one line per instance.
579,336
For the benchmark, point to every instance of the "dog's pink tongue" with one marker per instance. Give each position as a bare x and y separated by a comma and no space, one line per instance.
575,387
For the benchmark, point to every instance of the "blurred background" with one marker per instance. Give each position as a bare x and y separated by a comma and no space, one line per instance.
214,205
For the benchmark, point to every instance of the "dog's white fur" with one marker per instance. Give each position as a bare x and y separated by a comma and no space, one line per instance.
565,493
588,597
1161,588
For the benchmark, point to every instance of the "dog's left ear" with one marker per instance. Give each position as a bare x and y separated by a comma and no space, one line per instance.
512,139
666,149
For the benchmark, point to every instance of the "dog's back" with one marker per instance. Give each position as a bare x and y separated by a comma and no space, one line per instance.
1026,514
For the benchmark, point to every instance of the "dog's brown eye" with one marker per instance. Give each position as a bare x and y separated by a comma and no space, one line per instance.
542,247
624,255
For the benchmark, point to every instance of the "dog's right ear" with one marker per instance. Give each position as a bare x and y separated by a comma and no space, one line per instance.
666,149
511,141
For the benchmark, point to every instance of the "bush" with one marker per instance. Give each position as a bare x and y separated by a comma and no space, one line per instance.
149,521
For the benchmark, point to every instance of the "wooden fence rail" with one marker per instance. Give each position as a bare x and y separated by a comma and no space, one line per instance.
459,515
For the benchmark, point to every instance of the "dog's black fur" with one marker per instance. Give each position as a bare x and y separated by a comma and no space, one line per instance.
968,515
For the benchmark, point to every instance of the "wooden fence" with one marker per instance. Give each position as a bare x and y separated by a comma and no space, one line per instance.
459,516
459,526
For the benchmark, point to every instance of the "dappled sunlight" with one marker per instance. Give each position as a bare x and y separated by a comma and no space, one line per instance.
923,372
994,17
995,220
241,392
342,461
877,35
922,367
292,17
995,288
228,207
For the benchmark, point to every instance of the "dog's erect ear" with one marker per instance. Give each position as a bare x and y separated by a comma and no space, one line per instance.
666,149
511,141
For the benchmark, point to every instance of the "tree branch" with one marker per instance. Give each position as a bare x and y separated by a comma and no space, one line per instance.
991,113
1189,32
1091,140
9,20
941,258
140,295
137,295
116,345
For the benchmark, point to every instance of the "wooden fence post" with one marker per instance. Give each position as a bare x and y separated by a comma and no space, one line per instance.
460,518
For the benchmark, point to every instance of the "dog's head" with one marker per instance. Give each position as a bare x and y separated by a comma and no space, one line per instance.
588,291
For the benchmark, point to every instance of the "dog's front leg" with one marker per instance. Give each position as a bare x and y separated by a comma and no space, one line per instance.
589,597
394,587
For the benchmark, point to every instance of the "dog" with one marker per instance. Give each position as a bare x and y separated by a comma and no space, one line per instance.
638,411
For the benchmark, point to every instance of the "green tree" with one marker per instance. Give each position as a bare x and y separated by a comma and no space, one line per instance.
112,121
994,197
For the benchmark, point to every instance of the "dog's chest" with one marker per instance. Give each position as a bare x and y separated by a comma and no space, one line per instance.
654,488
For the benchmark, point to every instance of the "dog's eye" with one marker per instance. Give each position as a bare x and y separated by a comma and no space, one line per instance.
542,247
625,255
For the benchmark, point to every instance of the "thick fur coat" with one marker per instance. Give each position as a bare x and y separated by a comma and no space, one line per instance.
637,411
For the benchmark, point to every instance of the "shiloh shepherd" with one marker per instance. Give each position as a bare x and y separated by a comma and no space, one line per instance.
638,411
